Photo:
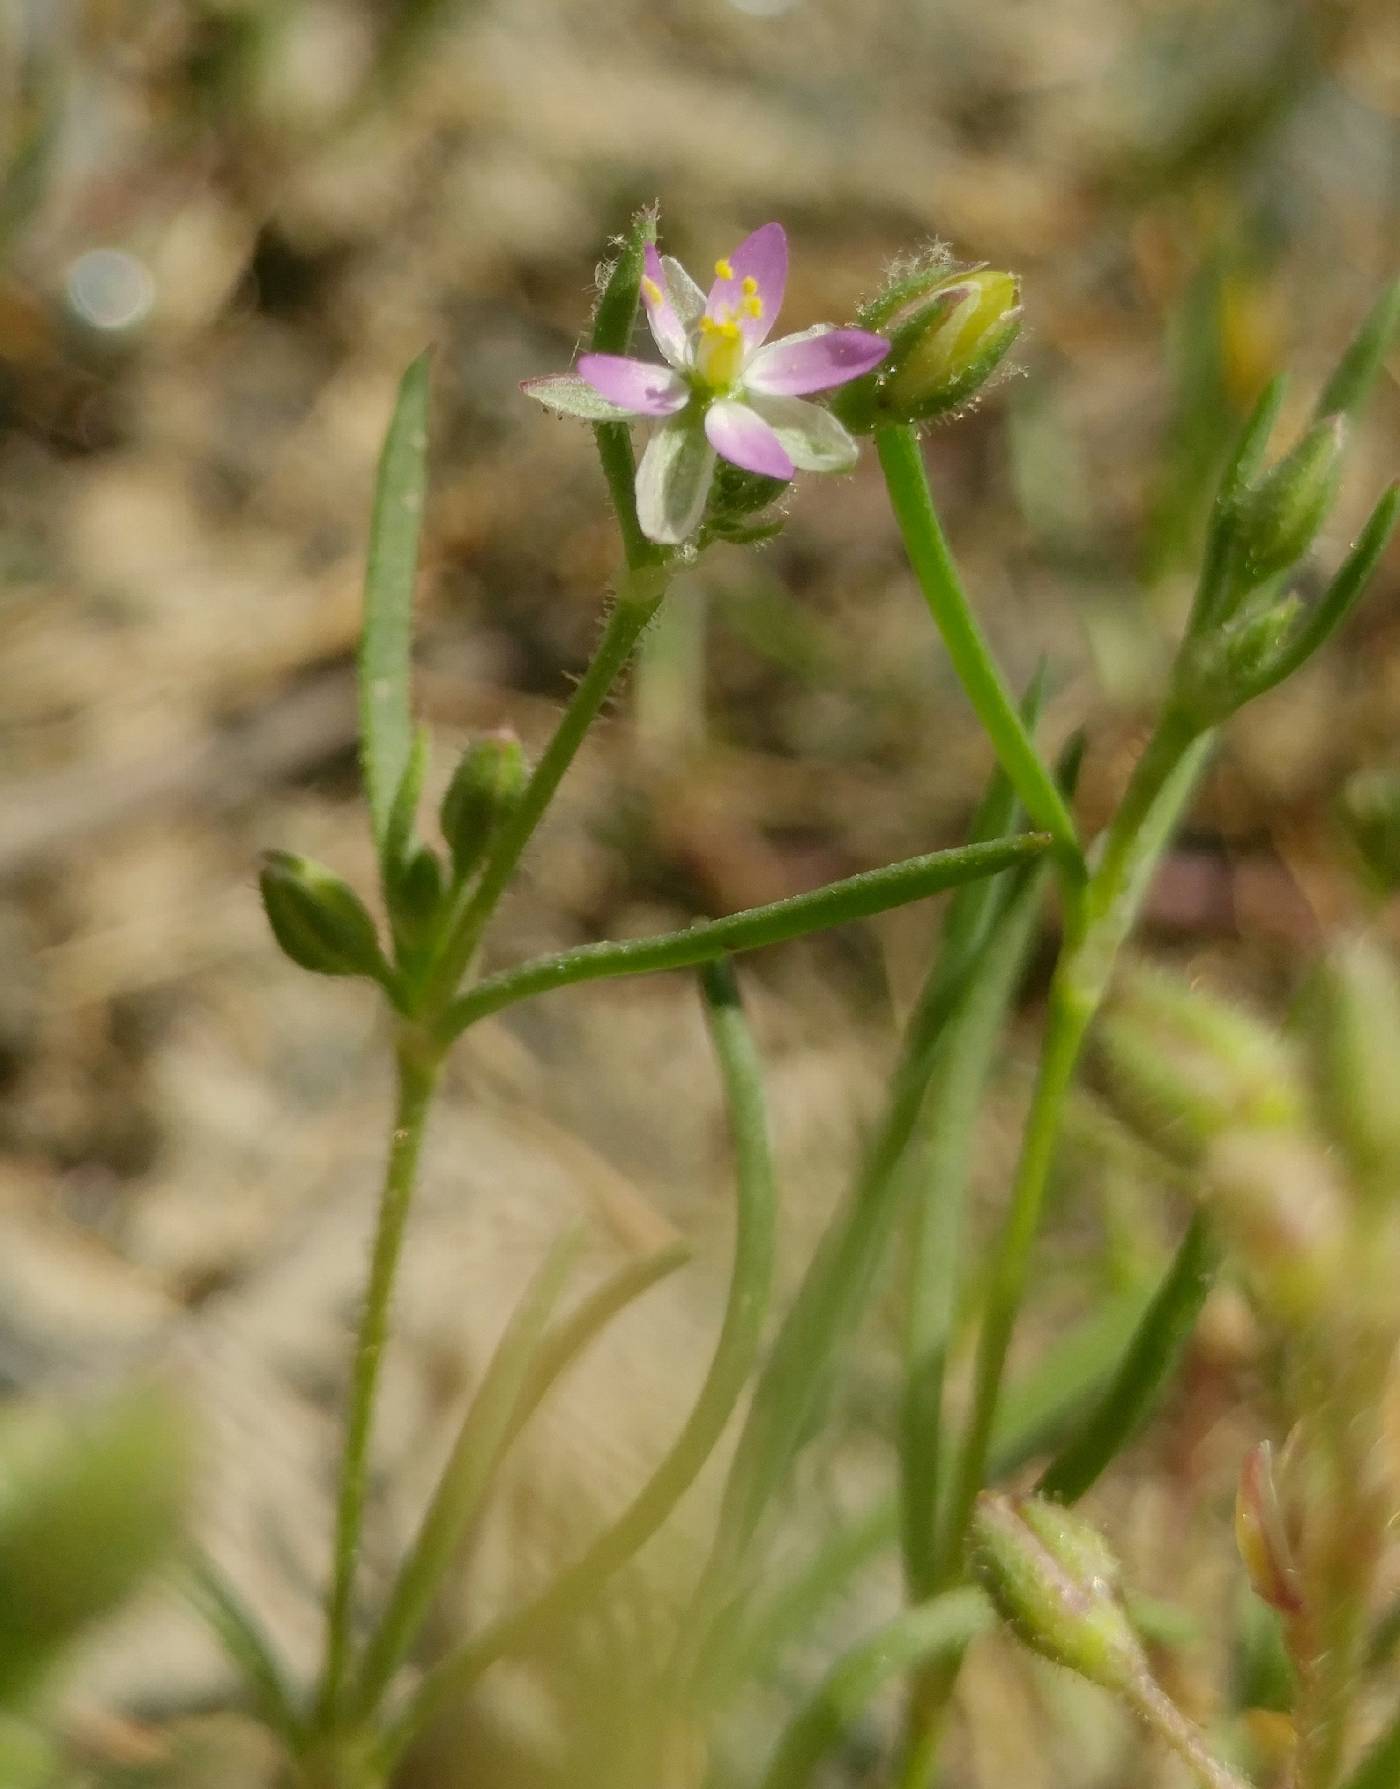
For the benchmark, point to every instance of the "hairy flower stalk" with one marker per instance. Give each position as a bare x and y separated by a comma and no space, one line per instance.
725,391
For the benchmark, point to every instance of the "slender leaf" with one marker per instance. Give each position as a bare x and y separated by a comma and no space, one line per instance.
914,1637
839,903
730,1368
1356,371
466,1478
574,1334
1151,1358
386,727
247,1644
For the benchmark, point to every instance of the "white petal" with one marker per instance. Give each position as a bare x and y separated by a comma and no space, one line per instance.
673,481
568,395
685,295
812,437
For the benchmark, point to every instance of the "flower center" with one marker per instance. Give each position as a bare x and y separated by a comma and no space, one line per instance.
720,351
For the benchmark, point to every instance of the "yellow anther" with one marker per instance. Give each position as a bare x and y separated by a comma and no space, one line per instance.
750,285
724,269
651,290
753,307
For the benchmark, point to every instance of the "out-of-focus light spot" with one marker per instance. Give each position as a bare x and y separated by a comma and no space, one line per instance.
110,289
763,9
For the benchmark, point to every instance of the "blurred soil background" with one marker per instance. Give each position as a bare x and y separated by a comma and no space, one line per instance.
227,226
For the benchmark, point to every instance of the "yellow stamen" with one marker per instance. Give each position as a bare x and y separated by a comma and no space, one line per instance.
753,307
750,285
651,290
723,269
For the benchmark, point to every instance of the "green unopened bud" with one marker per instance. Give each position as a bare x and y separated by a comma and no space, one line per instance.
1054,1581
415,897
1353,1015
1185,1068
1226,666
1370,811
319,920
1279,517
951,346
87,1509
486,787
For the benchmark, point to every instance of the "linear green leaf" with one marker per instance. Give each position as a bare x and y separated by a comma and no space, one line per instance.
572,1335
935,1629
247,1644
730,1368
857,897
1148,1362
386,639
466,1478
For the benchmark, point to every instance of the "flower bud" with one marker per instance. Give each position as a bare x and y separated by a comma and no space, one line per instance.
1279,516
1227,665
486,786
1261,1533
1354,1026
415,897
320,922
1185,1068
1053,1580
951,345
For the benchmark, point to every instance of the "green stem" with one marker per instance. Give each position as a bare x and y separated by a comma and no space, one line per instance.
1098,923
417,1078
932,563
839,903
637,602
1067,1023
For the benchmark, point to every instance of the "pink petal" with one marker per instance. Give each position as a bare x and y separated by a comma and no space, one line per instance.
635,385
746,439
667,330
814,361
763,259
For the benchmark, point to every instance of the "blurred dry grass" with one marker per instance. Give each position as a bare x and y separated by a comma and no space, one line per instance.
228,224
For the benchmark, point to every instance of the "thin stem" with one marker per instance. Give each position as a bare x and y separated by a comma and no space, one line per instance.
1097,925
638,602
417,1079
1068,1021
1156,1710
932,563
839,903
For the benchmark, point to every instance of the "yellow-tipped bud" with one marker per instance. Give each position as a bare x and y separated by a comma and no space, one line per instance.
952,345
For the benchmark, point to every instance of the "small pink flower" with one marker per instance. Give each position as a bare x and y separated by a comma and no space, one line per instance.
725,388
